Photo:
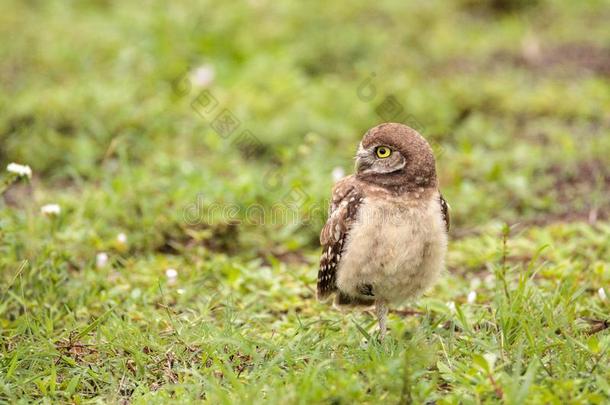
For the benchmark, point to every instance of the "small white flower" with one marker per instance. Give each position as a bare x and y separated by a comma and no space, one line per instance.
101,260
451,306
121,238
50,210
338,173
20,170
202,76
171,274
472,297
180,291
602,294
491,359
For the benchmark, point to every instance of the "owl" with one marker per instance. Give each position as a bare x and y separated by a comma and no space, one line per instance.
385,239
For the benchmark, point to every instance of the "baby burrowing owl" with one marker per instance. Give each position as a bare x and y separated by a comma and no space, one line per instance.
386,236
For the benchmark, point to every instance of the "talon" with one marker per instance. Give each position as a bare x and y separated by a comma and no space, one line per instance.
366,289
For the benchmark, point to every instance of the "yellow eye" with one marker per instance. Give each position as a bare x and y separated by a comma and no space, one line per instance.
383,152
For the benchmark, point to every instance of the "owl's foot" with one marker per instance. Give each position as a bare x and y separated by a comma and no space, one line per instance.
381,309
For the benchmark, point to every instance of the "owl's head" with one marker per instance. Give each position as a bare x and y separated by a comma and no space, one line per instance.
394,155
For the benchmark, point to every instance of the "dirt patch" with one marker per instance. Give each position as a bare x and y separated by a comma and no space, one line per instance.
588,184
222,238
288,257
496,7
581,57
581,194
18,195
564,59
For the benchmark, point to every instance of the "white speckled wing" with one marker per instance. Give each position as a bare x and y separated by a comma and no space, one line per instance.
445,212
343,210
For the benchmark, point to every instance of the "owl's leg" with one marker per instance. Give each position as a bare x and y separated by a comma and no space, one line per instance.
381,309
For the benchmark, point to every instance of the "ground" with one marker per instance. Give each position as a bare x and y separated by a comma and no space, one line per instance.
202,137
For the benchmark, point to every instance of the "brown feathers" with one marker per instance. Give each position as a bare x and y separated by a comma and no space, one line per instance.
343,210
445,212
419,169
385,237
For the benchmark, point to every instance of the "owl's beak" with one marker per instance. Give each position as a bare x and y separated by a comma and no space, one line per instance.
358,164
362,163
363,159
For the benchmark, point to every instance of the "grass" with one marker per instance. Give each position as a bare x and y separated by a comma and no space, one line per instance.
96,98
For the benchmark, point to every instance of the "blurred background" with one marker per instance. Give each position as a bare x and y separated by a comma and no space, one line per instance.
105,101
170,135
